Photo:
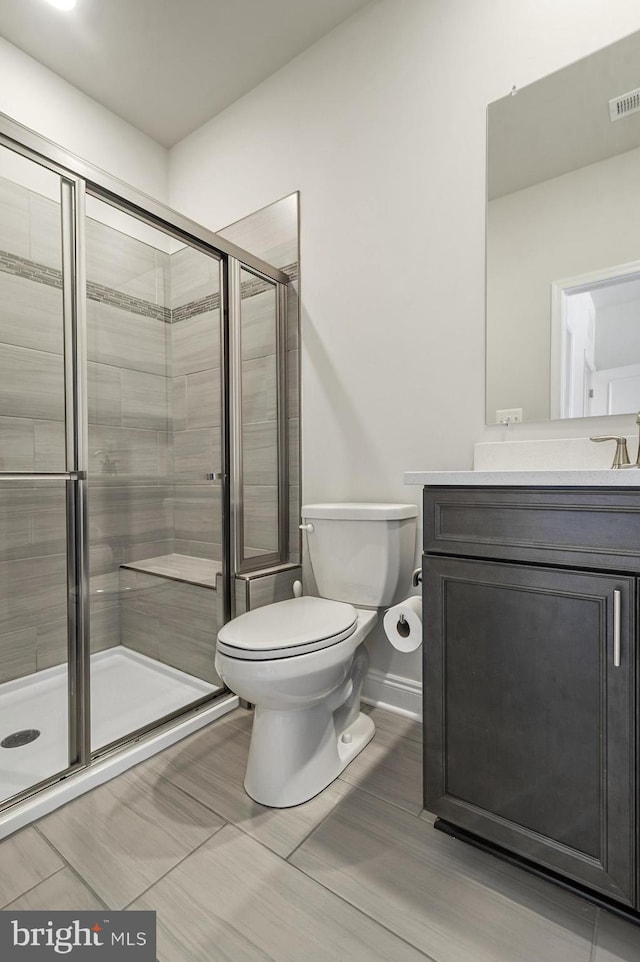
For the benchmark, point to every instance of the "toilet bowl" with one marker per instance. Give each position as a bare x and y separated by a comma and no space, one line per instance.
306,690
301,662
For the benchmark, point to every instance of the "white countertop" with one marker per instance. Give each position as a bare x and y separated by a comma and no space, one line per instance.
584,477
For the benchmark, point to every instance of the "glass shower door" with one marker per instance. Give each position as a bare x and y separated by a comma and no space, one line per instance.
39,633
155,442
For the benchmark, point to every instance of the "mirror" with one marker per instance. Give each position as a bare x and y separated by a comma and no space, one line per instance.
563,242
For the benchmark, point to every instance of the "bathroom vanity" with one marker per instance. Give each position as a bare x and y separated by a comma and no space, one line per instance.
531,584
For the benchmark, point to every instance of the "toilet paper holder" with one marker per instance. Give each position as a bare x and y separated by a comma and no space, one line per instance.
416,579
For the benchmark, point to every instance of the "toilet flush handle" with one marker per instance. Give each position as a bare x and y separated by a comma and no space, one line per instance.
306,527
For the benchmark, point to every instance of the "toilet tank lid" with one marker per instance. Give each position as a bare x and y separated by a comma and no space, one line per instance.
360,511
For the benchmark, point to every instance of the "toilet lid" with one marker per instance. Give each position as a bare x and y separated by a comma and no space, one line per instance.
287,628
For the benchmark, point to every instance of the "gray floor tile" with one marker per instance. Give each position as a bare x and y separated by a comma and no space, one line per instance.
25,860
390,768
365,879
234,901
616,940
508,880
240,718
394,724
125,835
450,901
62,892
210,766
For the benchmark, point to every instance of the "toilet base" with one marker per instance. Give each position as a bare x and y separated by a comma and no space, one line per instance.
310,754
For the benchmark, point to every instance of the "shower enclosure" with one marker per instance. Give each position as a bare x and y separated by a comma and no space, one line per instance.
143,461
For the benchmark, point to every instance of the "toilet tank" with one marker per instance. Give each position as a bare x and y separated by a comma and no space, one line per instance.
361,553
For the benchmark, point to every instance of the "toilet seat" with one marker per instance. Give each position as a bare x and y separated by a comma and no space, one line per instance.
287,628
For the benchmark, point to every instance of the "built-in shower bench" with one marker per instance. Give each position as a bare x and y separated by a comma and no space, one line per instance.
255,588
169,611
179,567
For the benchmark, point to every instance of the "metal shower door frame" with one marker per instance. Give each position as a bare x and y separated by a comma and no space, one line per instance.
79,179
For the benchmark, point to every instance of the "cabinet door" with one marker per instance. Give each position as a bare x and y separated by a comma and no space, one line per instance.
529,725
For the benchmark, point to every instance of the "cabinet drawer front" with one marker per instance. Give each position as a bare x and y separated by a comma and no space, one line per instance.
548,526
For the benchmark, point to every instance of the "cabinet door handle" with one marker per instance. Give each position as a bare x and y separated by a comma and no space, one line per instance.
616,628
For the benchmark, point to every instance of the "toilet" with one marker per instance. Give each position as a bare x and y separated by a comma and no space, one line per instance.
301,662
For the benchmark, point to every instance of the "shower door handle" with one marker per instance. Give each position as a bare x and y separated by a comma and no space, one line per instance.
43,476
216,476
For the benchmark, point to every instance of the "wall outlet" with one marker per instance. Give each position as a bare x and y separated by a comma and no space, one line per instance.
509,416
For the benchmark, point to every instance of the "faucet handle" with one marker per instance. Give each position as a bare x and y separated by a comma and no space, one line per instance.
621,457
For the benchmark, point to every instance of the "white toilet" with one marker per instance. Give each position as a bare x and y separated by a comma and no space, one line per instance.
301,662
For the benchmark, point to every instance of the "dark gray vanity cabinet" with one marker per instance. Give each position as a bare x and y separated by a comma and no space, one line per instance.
530,677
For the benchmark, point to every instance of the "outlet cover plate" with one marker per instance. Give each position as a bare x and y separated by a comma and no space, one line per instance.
509,416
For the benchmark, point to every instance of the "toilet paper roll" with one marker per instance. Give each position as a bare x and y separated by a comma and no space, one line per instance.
403,624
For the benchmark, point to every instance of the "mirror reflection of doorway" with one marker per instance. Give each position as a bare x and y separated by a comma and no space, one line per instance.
596,343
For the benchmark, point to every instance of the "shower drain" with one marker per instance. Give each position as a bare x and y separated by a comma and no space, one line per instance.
17,739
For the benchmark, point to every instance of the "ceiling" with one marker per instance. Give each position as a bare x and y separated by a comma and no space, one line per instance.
167,66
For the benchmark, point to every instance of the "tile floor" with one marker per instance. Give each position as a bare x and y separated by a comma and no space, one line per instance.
356,874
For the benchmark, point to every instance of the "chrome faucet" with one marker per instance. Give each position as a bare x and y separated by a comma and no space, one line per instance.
621,457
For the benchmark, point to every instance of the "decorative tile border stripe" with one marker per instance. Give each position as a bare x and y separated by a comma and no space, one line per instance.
52,277
212,301
30,270
291,270
258,286
209,303
134,305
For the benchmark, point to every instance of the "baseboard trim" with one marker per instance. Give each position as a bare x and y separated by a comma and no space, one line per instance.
394,693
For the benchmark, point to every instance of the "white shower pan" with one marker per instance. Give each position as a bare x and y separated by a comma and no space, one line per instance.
128,692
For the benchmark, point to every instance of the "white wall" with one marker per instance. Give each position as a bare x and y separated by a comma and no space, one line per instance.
381,126
38,98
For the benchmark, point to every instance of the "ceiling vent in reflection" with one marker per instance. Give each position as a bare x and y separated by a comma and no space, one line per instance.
624,105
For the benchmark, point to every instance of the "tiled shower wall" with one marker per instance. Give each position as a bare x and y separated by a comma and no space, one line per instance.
169,505
195,393
259,416
170,621
128,342
128,351
31,341
32,517
154,435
